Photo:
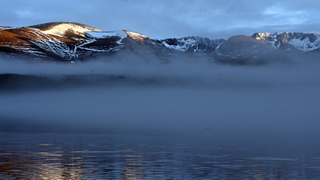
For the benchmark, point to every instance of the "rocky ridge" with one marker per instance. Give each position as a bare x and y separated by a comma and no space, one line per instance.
63,41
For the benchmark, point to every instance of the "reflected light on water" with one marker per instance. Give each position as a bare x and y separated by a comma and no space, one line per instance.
65,165
132,166
90,156
42,165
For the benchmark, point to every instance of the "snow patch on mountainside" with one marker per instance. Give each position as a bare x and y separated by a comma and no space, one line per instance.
61,29
300,41
106,34
305,44
136,36
4,27
183,44
263,36
192,44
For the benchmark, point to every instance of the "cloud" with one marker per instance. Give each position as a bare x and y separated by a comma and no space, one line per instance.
162,19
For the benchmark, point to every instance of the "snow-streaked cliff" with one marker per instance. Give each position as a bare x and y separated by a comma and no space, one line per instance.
301,41
64,41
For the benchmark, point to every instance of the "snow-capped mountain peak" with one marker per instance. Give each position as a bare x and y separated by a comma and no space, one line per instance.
136,36
65,41
61,29
301,41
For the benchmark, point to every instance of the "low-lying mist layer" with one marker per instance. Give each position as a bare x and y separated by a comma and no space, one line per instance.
183,71
180,96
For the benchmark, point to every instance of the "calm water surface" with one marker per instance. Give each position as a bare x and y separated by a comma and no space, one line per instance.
156,156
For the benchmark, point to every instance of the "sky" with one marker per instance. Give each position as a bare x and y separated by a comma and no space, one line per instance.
170,18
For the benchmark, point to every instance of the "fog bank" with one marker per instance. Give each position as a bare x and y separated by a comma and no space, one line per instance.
195,97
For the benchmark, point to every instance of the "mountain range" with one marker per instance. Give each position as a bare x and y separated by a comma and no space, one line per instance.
70,42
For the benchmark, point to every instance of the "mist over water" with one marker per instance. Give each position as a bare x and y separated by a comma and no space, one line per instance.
184,119
184,96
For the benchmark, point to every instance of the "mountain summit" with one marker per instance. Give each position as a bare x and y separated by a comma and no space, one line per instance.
65,41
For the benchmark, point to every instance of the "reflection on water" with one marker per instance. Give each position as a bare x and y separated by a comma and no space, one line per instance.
105,156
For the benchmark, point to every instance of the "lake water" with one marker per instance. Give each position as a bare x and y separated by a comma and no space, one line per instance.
156,156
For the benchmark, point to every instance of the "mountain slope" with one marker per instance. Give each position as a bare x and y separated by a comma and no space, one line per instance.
65,41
